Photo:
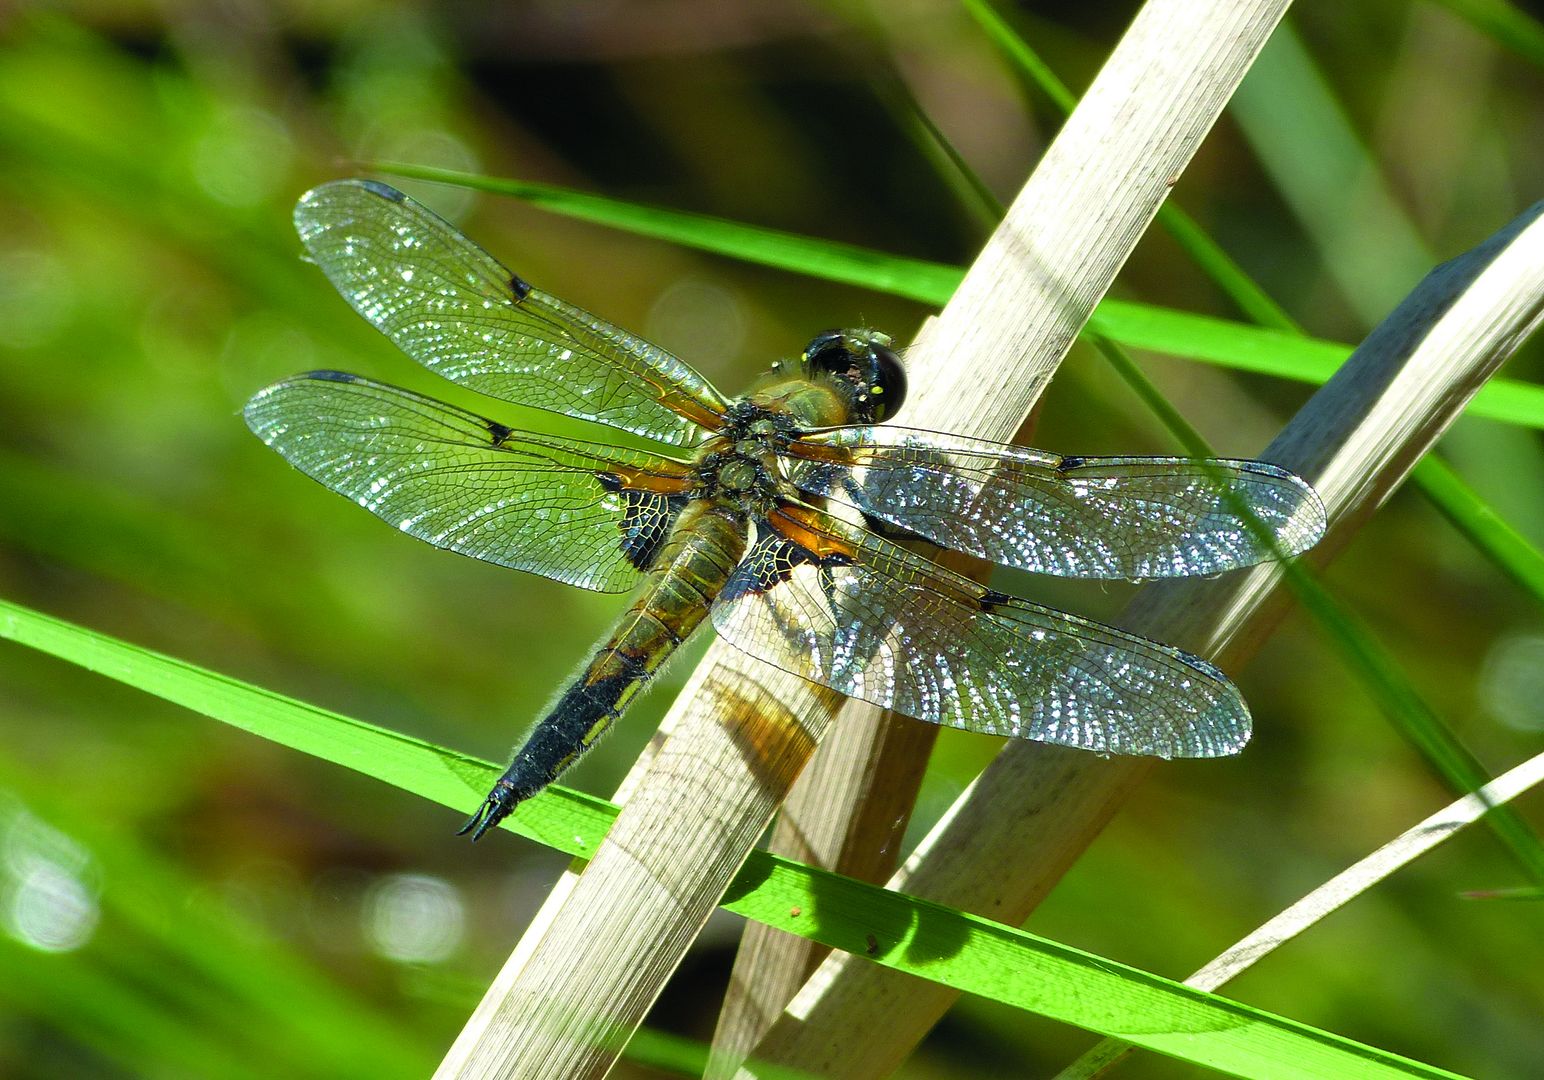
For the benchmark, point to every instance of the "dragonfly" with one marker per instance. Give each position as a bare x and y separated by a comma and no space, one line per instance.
783,517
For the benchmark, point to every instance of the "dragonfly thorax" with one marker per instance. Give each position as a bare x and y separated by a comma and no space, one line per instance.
738,474
739,467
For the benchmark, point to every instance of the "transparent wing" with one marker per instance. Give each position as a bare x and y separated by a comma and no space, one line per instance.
837,605
452,307
587,515
1099,517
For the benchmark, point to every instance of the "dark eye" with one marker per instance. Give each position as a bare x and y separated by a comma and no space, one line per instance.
862,362
889,384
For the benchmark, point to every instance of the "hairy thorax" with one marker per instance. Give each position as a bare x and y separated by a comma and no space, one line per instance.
738,468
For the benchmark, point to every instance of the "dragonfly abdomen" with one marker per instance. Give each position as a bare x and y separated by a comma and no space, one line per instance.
693,564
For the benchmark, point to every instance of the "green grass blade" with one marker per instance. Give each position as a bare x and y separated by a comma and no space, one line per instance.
1475,518
972,192
915,279
1021,56
1282,355
1504,22
1252,301
965,951
1137,326
1183,431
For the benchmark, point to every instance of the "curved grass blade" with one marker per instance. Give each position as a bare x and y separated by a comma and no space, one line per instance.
1233,345
928,940
1341,890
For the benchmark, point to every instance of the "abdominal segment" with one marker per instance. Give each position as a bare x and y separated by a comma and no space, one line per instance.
693,565
584,712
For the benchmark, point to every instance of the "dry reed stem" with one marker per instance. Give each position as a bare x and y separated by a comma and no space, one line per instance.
1496,313
1033,811
1128,140
847,813
581,982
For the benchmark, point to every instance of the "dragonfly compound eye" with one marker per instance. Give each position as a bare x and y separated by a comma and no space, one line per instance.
887,389
864,361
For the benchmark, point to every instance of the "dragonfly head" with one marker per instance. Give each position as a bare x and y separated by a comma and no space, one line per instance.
864,368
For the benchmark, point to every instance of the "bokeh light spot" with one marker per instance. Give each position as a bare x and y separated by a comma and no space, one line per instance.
414,919
243,158
47,900
698,319
1512,681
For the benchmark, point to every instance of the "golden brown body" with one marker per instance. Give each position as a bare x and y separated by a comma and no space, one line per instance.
737,481
815,594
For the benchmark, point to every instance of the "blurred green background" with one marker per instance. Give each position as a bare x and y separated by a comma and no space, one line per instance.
180,899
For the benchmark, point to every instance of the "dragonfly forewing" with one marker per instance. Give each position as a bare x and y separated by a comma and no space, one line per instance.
1094,517
455,309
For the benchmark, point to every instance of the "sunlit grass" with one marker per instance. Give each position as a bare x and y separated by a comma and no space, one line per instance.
149,281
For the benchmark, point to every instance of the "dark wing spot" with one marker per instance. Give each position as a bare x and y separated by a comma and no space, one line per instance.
332,376
1067,464
499,432
385,191
770,562
519,286
646,520
991,600
647,524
